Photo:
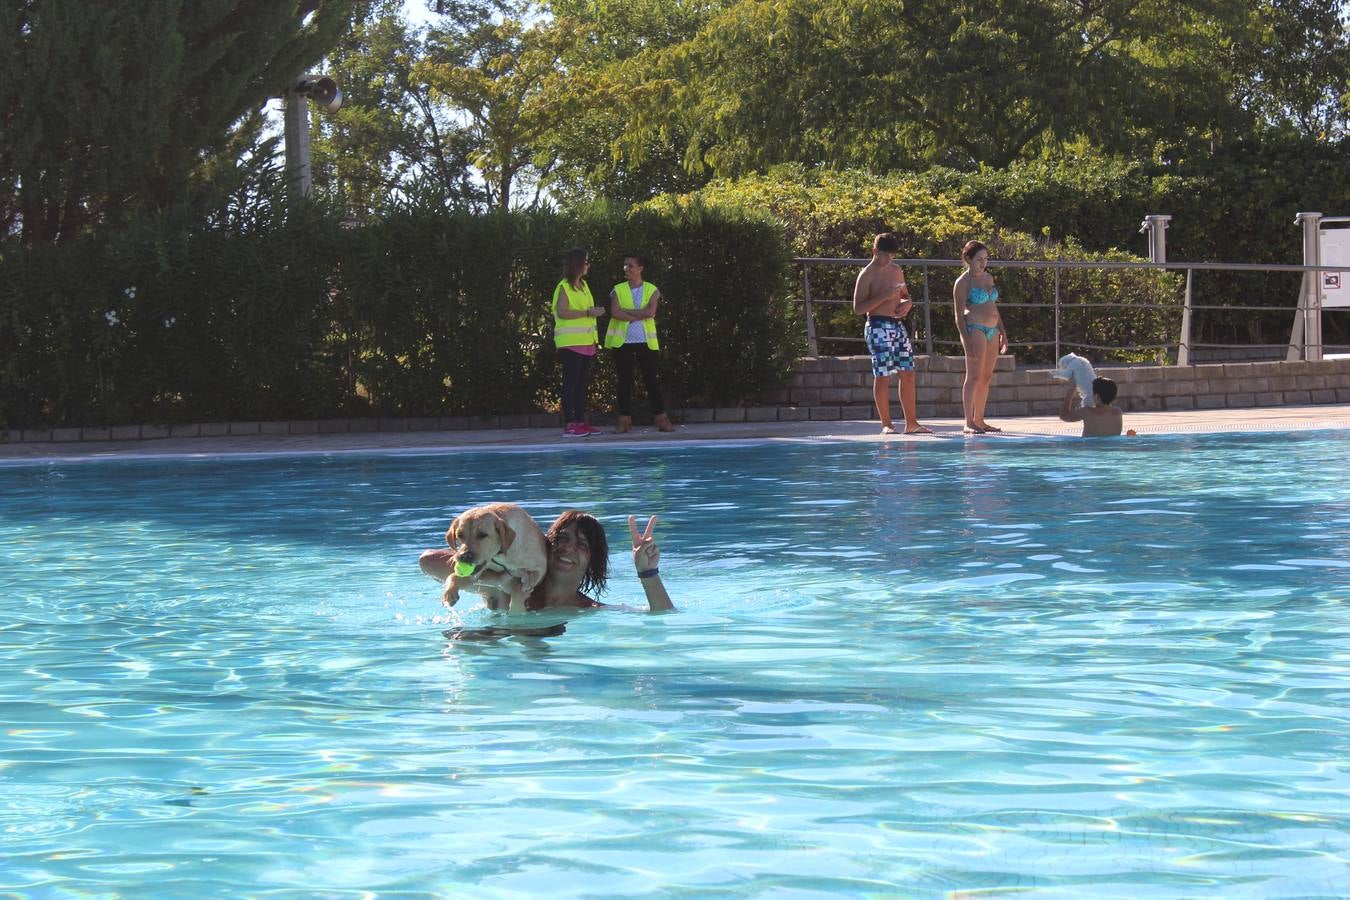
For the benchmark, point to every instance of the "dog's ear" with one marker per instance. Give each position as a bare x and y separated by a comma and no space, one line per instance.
452,535
506,536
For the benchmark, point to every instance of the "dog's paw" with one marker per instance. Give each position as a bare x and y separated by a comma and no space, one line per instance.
450,596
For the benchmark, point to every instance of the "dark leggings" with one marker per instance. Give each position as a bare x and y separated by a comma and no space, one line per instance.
576,380
645,357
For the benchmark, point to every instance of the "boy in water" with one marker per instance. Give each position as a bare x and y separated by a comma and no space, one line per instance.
1102,420
881,295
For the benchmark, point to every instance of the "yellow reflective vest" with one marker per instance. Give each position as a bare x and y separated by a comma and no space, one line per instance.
618,330
574,332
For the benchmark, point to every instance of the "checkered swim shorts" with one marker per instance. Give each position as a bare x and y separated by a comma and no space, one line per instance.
888,342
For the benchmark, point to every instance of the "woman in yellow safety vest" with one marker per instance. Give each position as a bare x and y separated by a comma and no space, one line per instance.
632,337
574,315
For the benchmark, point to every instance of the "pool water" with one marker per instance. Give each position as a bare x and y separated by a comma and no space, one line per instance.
1109,669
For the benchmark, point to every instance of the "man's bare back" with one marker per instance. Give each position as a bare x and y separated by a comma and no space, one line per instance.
1102,420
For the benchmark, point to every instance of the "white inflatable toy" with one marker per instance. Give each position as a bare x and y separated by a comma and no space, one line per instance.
1075,368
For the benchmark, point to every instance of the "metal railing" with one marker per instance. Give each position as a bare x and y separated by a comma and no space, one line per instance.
1182,346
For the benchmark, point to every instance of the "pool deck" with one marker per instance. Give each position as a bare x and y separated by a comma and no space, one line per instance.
1264,419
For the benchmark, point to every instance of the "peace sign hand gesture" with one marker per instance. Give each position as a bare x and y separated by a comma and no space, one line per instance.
646,555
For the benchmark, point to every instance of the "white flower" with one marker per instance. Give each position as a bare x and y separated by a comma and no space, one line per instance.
170,322
111,316
130,293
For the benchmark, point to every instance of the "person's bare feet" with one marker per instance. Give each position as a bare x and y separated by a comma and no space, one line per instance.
916,428
888,429
987,427
972,428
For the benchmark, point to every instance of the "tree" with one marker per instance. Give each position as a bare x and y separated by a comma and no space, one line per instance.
109,107
391,136
603,96
842,83
507,79
1293,71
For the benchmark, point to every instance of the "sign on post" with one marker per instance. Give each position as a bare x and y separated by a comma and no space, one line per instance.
1335,251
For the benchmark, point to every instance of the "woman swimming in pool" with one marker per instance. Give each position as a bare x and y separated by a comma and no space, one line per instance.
983,337
578,561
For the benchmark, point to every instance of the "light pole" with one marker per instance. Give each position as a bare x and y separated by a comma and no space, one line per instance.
323,91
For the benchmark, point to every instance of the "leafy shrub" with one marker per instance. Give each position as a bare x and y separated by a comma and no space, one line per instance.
836,214
1235,204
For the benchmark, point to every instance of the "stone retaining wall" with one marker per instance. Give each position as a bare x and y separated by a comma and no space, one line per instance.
846,382
831,388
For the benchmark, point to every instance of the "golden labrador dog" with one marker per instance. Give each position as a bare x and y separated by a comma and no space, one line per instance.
506,550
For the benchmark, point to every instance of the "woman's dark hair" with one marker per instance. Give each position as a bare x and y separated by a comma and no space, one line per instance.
971,248
597,573
574,263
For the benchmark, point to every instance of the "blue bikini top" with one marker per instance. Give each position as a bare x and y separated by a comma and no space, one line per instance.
980,295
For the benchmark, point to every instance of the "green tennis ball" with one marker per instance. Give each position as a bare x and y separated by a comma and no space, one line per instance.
463,569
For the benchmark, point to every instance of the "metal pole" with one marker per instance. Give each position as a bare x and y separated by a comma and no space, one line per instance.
1155,227
927,316
1184,341
812,346
1312,289
298,176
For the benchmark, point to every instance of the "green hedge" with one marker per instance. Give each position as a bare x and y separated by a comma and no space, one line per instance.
420,313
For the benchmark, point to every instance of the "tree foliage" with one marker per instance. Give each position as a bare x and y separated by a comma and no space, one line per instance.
605,92
858,83
391,136
109,107
506,79
1291,72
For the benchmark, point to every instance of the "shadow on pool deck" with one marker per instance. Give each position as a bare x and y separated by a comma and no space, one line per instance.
1293,418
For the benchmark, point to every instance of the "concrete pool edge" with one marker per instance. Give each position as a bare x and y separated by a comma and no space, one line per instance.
1263,419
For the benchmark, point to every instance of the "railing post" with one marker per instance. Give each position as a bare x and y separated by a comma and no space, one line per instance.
1156,228
812,346
1312,306
927,317
1057,353
1184,341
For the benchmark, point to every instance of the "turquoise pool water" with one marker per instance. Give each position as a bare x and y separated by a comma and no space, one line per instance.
1116,670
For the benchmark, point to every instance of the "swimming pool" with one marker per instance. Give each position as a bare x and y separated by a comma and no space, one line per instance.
896,668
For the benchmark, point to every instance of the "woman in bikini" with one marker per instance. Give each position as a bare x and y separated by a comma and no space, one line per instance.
975,298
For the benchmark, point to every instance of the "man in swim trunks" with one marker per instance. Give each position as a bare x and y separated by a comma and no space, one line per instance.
1102,420
880,294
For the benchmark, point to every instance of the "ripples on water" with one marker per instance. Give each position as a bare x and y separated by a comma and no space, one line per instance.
1107,670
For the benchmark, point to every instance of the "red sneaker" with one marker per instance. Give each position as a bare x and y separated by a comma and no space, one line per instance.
572,430
586,429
